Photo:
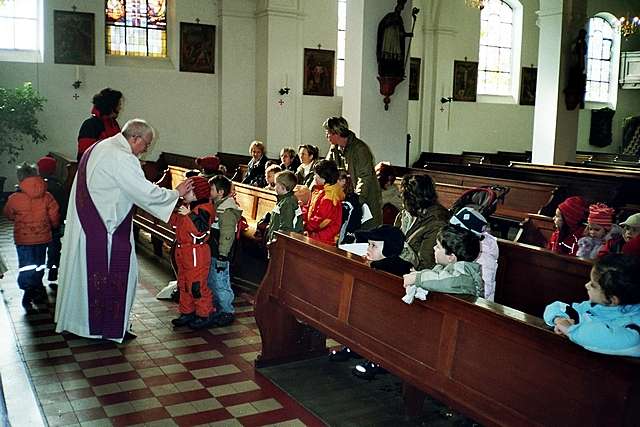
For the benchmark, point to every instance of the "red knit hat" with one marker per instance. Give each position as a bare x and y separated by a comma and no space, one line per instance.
600,214
209,163
47,166
574,210
201,187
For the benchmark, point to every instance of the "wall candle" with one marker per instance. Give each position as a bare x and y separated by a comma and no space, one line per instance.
286,80
77,73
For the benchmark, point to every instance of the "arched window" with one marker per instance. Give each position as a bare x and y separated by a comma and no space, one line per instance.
499,53
603,58
21,30
136,27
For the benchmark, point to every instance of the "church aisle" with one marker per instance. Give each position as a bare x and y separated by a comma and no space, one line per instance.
162,378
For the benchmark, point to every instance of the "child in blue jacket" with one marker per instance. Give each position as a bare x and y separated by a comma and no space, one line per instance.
609,322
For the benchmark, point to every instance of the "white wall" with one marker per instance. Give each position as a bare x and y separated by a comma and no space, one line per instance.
181,106
628,104
319,28
471,126
202,113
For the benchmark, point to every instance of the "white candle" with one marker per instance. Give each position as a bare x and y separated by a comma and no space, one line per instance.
77,73
286,80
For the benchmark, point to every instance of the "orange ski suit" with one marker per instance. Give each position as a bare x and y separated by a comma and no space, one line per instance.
193,258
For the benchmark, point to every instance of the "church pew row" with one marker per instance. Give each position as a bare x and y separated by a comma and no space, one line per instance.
467,157
524,197
495,364
630,167
614,187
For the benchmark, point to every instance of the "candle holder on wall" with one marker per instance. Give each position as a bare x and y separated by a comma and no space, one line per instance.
284,91
77,83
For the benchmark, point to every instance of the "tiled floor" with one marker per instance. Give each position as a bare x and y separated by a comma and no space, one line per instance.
165,377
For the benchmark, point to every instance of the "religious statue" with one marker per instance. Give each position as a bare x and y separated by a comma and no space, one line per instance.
390,50
576,87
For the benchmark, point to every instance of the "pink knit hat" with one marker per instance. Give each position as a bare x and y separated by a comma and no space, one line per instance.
600,214
574,211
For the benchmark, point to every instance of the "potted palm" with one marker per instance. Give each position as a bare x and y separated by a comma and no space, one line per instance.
18,121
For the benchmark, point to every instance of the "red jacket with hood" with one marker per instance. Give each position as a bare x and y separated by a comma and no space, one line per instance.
34,212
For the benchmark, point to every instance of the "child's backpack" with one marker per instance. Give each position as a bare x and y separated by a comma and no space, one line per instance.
484,199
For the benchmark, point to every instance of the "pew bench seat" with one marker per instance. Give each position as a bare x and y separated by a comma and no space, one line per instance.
495,364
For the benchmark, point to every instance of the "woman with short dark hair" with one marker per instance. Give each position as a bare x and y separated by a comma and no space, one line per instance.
420,220
102,123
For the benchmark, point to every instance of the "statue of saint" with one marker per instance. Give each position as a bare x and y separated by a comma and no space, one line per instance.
390,49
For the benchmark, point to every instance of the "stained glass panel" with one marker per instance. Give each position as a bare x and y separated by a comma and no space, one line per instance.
136,27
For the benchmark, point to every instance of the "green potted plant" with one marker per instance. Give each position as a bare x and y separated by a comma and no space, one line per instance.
18,121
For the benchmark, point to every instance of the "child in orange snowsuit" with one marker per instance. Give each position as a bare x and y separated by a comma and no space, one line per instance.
192,223
34,212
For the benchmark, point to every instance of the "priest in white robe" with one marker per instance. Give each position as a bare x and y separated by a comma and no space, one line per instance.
98,266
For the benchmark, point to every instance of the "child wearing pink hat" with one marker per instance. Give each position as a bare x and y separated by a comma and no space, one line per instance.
569,221
600,229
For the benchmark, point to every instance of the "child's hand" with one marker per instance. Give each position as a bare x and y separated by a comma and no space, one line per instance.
184,210
562,325
409,279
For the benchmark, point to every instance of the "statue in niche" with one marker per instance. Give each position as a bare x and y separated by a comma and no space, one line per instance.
390,48
576,87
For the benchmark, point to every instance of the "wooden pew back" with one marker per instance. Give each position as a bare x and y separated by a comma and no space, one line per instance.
536,230
529,278
495,364
523,197
255,202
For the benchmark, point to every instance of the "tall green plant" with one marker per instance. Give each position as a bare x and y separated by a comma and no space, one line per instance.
18,121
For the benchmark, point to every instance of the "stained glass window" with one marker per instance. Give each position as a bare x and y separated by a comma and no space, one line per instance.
340,53
136,27
599,48
496,48
20,25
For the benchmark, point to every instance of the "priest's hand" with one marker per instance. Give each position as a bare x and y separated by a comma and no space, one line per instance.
184,187
184,210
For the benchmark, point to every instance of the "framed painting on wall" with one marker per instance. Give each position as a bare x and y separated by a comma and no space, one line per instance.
197,48
73,38
414,79
465,80
319,72
528,86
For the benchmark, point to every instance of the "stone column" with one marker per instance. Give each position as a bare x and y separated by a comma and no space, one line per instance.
362,105
236,36
278,64
555,129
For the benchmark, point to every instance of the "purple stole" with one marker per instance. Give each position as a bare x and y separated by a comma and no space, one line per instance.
106,282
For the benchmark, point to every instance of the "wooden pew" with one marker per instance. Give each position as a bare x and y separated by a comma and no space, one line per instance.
613,187
529,278
255,203
495,364
523,198
535,230
66,168
457,159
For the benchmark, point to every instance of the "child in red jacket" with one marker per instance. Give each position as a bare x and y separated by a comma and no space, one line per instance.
323,214
569,221
192,223
34,212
